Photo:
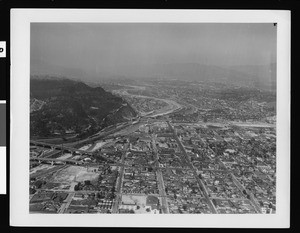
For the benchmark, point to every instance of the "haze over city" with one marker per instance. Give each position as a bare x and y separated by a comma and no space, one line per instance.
91,51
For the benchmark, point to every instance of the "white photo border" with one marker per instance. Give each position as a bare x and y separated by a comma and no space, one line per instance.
19,141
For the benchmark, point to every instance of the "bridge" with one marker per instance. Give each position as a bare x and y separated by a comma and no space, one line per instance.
64,161
69,150
60,147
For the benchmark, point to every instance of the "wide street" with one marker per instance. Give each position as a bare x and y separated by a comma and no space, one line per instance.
161,185
66,203
204,191
119,184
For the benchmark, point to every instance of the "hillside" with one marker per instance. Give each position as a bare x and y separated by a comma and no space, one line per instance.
61,106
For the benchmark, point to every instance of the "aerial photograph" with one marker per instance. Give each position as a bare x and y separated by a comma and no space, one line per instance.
152,118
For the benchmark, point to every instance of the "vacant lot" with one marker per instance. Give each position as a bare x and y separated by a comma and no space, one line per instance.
77,173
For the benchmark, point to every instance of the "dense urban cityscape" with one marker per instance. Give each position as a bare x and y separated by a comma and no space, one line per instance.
183,147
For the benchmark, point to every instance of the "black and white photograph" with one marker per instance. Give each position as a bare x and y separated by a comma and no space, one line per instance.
153,118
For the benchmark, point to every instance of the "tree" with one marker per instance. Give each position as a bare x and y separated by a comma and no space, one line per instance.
76,187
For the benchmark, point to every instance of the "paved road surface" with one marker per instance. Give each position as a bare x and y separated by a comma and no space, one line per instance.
161,185
200,183
66,203
119,185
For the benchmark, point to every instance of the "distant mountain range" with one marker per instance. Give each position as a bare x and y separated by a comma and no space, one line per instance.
60,105
258,76
253,75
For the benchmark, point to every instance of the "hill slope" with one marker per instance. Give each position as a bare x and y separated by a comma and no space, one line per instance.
72,107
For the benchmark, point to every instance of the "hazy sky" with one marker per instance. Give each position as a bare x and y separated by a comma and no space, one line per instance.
116,48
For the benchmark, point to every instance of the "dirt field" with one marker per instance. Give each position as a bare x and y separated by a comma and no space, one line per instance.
139,200
77,173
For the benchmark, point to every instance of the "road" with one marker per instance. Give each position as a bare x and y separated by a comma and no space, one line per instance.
242,188
119,185
161,185
200,183
66,203
51,153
